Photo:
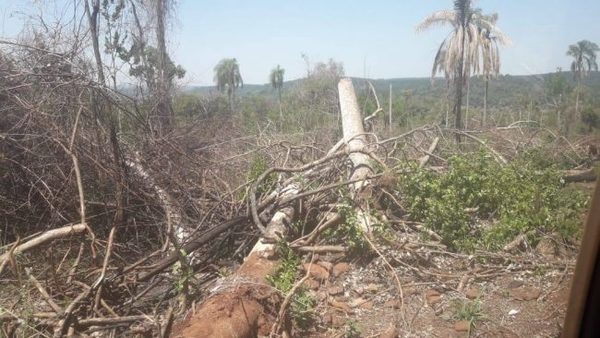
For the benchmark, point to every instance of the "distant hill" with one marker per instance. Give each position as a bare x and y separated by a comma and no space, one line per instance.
506,89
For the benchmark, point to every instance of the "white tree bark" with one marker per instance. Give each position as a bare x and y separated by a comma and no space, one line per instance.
354,133
354,136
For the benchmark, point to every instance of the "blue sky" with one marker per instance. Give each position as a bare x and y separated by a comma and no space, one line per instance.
375,38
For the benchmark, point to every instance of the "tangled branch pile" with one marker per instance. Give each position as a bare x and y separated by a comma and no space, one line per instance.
110,226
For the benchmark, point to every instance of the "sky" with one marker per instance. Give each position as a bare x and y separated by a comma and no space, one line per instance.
374,38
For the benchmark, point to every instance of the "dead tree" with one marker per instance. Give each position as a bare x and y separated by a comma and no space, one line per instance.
243,304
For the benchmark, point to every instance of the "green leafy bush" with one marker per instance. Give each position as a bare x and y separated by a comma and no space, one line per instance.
349,232
480,203
284,278
258,166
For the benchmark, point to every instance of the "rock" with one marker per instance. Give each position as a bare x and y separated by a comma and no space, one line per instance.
392,303
515,283
316,271
333,320
372,287
410,291
462,326
356,302
321,296
340,268
327,265
433,296
525,293
547,248
335,290
390,332
311,284
341,306
473,293
513,312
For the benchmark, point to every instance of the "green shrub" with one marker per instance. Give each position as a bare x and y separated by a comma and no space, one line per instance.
525,195
348,232
258,166
467,310
284,278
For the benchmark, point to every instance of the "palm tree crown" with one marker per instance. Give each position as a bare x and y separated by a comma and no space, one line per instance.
473,40
227,75
584,61
276,77
465,51
584,58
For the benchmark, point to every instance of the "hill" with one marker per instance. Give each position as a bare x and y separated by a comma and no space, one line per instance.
506,90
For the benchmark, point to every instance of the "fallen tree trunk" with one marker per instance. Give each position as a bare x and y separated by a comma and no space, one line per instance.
244,304
588,175
354,134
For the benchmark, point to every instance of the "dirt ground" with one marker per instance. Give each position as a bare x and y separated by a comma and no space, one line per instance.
510,296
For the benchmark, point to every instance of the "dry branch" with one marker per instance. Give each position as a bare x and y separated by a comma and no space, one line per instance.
48,236
423,160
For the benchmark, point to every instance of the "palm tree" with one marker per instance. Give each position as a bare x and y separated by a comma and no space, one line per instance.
228,78
584,61
490,57
276,79
458,54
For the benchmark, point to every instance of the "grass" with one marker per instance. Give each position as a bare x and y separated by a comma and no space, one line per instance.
469,311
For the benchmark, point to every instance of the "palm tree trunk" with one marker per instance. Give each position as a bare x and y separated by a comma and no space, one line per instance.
467,112
485,96
447,103
459,88
390,108
577,99
280,106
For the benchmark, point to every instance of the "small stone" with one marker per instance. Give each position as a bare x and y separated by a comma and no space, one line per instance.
335,290
311,284
327,265
340,268
525,293
473,293
513,312
368,305
321,296
515,283
356,302
392,303
410,291
340,305
462,326
372,287
433,296
390,332
316,271
333,319
547,248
